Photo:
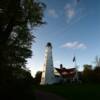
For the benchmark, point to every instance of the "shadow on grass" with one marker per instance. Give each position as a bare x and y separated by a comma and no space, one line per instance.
74,91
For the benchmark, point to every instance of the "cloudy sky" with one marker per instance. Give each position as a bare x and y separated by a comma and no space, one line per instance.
73,28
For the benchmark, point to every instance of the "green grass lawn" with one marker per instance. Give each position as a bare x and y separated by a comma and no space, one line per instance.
74,91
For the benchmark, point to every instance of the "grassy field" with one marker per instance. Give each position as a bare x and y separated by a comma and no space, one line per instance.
74,91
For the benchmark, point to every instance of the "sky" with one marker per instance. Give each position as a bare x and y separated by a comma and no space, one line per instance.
73,28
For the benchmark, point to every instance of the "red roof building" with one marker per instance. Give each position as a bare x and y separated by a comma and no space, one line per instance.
67,73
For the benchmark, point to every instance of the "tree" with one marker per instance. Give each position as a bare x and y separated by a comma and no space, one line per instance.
16,12
17,19
87,73
97,61
38,77
97,74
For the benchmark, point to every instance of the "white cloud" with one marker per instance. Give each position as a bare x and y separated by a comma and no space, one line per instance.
70,12
52,13
74,45
73,11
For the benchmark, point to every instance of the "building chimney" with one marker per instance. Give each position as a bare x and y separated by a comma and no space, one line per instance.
61,66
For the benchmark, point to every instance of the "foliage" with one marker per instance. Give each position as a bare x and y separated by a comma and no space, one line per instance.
97,61
91,75
19,12
87,73
38,77
97,74
19,87
17,20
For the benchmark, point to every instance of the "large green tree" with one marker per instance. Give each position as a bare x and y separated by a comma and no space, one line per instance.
17,19
97,61
97,74
87,73
16,12
38,77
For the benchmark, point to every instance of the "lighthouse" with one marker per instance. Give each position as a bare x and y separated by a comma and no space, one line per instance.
48,69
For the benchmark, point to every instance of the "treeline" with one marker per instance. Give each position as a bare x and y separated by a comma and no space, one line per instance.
18,18
90,74
16,84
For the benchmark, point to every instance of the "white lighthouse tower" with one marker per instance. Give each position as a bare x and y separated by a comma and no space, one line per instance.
48,69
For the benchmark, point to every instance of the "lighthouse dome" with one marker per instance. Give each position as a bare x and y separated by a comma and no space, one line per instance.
49,44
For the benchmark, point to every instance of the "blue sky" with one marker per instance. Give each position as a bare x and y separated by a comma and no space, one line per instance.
73,28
